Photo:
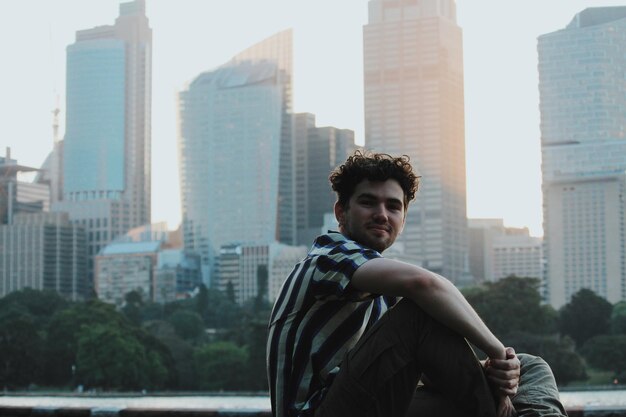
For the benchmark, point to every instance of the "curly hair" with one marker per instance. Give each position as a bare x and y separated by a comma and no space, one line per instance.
364,165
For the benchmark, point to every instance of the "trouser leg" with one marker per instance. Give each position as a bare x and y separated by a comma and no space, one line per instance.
538,395
379,375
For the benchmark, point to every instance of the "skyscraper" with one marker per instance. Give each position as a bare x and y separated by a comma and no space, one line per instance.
413,64
106,161
583,143
317,150
235,152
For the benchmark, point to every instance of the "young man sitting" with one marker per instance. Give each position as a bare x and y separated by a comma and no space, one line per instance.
353,333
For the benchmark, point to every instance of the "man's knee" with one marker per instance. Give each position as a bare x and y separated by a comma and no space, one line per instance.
538,394
535,370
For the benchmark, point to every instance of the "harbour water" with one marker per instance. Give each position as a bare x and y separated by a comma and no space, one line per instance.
571,399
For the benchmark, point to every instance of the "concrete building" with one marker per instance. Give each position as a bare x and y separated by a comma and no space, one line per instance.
318,150
517,253
250,269
497,251
481,234
123,267
106,181
413,80
583,128
235,152
44,251
149,259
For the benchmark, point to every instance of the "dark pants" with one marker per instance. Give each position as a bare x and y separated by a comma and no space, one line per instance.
378,377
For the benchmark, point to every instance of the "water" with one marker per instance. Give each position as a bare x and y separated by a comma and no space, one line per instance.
612,398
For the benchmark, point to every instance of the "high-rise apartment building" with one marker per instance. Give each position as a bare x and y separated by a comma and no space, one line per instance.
317,151
106,151
583,143
413,77
235,152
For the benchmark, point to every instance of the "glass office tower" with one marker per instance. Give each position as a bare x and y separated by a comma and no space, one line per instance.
106,161
583,143
234,151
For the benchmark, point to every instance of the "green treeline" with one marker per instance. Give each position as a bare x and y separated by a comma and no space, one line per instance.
587,333
210,343
204,343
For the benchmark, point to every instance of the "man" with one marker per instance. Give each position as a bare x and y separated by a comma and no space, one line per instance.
352,333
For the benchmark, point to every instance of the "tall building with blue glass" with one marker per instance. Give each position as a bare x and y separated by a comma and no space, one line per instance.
106,160
235,152
583,141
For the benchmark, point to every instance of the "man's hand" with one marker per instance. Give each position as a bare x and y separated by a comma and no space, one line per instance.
504,374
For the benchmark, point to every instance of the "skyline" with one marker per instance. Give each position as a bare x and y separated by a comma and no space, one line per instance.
501,91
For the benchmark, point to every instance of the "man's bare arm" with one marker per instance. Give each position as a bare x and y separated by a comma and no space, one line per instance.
434,294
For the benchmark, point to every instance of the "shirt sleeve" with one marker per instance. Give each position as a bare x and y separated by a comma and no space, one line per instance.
334,271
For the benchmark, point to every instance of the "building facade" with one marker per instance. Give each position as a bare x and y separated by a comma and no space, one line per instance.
413,80
178,275
106,151
318,150
235,152
44,251
583,144
124,267
249,271
517,253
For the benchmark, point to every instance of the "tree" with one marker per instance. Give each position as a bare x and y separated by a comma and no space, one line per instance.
230,291
512,304
112,358
40,305
20,350
187,324
220,366
585,316
558,352
618,318
181,351
132,307
202,299
221,313
606,352
63,332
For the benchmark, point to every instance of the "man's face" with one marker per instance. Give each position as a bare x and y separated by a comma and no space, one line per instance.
375,214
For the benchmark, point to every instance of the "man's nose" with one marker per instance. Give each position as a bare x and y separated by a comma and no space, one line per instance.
381,214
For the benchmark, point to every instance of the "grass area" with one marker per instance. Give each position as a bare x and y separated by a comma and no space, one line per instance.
596,377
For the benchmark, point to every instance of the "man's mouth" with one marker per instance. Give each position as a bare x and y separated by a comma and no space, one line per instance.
380,228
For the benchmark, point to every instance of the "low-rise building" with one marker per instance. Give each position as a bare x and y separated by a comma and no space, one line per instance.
123,267
497,251
250,270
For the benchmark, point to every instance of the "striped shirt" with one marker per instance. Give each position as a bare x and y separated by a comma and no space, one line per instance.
318,316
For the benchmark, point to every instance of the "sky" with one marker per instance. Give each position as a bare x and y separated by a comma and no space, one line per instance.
192,36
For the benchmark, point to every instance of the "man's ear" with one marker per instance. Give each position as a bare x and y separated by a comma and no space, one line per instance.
340,213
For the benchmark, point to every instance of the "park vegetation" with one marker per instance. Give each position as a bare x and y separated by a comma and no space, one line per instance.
210,343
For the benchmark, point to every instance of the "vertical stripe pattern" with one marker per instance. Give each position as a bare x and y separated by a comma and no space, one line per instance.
318,316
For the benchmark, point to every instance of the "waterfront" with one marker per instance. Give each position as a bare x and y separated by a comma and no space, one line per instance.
571,399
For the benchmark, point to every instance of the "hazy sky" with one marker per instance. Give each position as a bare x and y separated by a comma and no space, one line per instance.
192,36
